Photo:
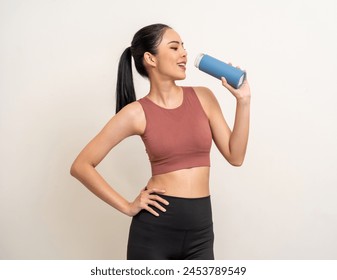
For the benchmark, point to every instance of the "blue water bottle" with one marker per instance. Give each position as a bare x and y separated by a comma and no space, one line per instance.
218,69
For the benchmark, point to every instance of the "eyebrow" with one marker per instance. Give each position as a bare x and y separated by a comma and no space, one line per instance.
175,42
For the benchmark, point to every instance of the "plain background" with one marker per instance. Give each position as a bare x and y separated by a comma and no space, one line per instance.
58,63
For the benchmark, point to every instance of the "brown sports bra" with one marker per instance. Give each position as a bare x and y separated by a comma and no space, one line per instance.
177,138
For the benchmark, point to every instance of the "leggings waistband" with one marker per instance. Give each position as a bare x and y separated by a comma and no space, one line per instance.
181,213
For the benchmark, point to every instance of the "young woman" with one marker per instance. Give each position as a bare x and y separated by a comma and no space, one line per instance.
172,215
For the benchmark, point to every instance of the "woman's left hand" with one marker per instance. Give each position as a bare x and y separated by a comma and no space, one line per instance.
242,93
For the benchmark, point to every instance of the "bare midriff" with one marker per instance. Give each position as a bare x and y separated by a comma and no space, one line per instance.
187,183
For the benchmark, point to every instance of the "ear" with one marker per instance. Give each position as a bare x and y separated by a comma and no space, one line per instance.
149,59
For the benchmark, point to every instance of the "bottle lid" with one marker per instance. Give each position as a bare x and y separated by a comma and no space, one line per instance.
198,59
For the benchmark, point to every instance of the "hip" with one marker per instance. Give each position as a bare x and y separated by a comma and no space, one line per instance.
181,214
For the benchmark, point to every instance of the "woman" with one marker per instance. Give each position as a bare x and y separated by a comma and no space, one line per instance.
172,216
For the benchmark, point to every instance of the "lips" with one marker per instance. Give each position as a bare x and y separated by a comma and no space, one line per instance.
182,64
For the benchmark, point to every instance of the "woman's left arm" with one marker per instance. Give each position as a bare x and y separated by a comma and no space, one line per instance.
239,137
231,144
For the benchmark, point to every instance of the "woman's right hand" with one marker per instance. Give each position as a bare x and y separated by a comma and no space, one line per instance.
146,198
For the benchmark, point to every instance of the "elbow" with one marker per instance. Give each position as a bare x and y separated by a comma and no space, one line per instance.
236,159
79,168
237,164
74,170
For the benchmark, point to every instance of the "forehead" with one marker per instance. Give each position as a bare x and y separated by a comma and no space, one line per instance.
169,36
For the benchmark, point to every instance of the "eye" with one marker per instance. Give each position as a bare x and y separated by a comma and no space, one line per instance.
174,48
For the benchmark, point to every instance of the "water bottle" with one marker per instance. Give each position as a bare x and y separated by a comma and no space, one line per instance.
218,69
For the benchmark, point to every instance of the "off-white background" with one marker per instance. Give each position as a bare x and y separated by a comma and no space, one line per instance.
58,63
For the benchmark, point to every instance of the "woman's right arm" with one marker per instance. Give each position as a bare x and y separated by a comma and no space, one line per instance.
129,121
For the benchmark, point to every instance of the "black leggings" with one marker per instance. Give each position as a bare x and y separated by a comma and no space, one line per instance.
183,232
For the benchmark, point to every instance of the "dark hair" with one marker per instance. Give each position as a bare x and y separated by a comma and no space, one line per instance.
146,39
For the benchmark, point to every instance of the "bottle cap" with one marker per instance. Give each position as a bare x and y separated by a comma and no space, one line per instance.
198,59
242,78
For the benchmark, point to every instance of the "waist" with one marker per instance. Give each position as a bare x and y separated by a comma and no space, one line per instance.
186,183
181,214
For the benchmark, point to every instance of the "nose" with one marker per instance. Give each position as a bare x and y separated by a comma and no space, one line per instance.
184,52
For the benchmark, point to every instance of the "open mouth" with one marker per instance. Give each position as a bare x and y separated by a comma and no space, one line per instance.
182,65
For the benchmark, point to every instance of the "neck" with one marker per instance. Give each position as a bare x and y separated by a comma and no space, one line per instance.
166,94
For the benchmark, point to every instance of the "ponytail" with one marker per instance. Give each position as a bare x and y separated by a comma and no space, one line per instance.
146,39
125,91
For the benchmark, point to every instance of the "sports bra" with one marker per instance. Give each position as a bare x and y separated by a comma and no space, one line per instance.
178,138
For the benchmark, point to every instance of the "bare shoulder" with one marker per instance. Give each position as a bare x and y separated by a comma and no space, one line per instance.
205,94
131,117
133,110
207,98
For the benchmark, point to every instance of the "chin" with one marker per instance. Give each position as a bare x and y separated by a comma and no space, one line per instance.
180,77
